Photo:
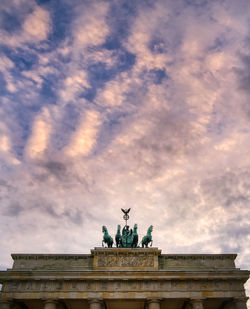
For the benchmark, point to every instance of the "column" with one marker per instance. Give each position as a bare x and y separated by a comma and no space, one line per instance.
5,304
154,303
95,303
188,306
229,305
197,303
240,303
50,304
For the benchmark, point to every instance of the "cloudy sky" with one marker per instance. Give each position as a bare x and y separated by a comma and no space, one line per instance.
116,103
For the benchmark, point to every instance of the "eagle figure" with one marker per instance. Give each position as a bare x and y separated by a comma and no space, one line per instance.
126,211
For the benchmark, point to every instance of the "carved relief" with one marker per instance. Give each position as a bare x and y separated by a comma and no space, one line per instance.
29,286
179,285
59,285
12,286
104,285
124,286
125,261
44,286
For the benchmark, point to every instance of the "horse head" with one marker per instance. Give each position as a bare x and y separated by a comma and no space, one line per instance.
150,229
135,227
104,229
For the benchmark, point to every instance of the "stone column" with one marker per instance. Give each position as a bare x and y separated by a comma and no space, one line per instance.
50,304
188,306
5,304
95,303
240,303
154,303
229,305
197,303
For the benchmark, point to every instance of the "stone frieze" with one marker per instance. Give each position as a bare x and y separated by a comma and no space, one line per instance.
125,261
123,286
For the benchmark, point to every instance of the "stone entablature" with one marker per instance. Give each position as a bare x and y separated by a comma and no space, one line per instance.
203,287
100,258
139,274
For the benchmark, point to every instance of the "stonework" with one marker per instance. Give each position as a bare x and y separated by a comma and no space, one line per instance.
136,259
115,278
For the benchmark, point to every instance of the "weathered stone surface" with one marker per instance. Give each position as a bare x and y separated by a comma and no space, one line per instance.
194,261
125,259
52,261
124,274
112,257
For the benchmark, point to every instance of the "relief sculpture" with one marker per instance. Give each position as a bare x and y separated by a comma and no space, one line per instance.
121,286
125,261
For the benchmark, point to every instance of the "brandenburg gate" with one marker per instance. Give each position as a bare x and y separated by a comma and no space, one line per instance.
127,276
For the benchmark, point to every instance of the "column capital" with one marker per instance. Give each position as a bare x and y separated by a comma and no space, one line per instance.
197,303
95,303
153,300
240,302
50,301
5,303
95,300
198,299
240,299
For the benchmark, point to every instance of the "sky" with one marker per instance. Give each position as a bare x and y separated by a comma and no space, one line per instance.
117,104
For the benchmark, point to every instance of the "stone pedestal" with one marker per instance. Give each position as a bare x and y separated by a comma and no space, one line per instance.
125,259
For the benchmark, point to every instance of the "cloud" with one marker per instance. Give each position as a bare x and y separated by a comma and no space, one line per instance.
38,141
142,106
35,28
91,28
142,34
84,139
37,24
74,85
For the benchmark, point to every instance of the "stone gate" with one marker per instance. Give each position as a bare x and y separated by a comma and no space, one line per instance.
119,278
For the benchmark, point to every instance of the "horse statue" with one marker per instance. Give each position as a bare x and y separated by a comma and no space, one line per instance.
148,238
107,239
134,243
118,237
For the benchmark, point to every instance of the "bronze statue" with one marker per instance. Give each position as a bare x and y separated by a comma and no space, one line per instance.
126,211
148,238
118,237
128,238
106,237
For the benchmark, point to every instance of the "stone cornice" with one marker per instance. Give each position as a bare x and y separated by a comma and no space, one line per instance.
38,256
200,256
106,251
126,251
8,275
